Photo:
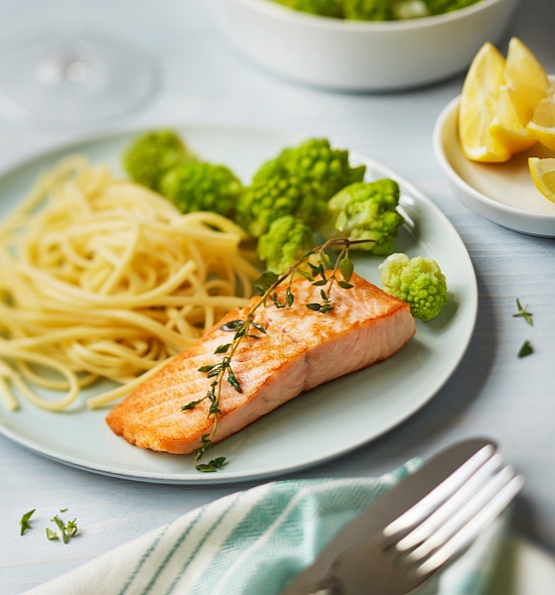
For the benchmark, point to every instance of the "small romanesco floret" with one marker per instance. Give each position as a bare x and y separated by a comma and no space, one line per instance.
202,187
419,282
287,240
325,8
366,211
298,182
153,154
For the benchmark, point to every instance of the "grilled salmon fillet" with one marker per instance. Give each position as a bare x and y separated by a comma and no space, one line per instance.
300,350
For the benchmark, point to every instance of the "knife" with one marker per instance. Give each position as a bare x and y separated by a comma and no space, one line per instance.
389,507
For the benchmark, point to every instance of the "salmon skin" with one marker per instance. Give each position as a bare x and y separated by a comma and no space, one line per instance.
301,350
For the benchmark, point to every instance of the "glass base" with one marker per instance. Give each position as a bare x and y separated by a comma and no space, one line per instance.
72,81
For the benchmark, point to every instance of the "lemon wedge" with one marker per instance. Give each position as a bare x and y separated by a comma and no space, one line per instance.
542,125
525,86
543,174
507,128
478,106
526,81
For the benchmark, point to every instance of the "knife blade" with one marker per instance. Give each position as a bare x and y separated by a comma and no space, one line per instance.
388,508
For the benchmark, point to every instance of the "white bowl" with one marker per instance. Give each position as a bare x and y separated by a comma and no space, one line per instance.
362,55
502,192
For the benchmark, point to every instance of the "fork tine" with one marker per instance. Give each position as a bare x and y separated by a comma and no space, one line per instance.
437,496
464,515
473,528
451,505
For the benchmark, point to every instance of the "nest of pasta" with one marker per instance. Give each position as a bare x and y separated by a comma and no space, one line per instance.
103,278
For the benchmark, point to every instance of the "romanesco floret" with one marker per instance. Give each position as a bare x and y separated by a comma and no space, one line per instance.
298,182
326,169
366,211
419,282
153,154
202,187
287,240
325,8
369,10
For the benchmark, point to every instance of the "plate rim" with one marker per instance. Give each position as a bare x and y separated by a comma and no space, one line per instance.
237,477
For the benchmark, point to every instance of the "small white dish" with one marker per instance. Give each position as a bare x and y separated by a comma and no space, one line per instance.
502,192
361,55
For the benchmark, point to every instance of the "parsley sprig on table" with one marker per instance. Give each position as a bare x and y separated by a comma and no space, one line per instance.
316,271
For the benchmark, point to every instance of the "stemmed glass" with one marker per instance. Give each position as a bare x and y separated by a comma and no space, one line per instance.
68,79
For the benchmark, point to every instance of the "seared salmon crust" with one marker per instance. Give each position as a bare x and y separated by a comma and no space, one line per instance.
301,350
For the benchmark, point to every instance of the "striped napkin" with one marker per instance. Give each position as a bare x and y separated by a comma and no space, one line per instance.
253,543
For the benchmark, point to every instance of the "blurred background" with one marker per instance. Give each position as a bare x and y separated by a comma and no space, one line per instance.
197,75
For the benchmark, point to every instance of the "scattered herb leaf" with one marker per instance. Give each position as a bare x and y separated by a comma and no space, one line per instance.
523,313
526,349
51,535
63,509
68,531
24,522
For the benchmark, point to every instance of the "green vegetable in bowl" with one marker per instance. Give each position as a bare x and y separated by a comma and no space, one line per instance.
366,211
287,240
369,10
376,10
298,182
419,282
326,8
153,154
202,187
442,6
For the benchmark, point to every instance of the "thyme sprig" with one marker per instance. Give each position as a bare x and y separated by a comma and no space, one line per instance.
266,286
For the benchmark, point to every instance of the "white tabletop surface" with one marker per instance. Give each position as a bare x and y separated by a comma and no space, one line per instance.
492,392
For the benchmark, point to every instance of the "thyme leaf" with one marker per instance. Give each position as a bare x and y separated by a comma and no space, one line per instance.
314,306
345,285
347,268
289,296
191,405
523,313
24,522
67,531
222,349
526,349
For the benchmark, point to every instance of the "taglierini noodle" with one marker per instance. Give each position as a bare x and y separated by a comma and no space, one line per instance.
103,278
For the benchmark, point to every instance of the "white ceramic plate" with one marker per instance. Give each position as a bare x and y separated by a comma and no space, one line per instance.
315,427
502,192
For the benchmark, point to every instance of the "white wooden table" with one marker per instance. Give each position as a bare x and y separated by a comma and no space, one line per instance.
492,393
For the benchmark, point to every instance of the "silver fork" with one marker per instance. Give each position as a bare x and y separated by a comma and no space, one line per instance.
428,536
